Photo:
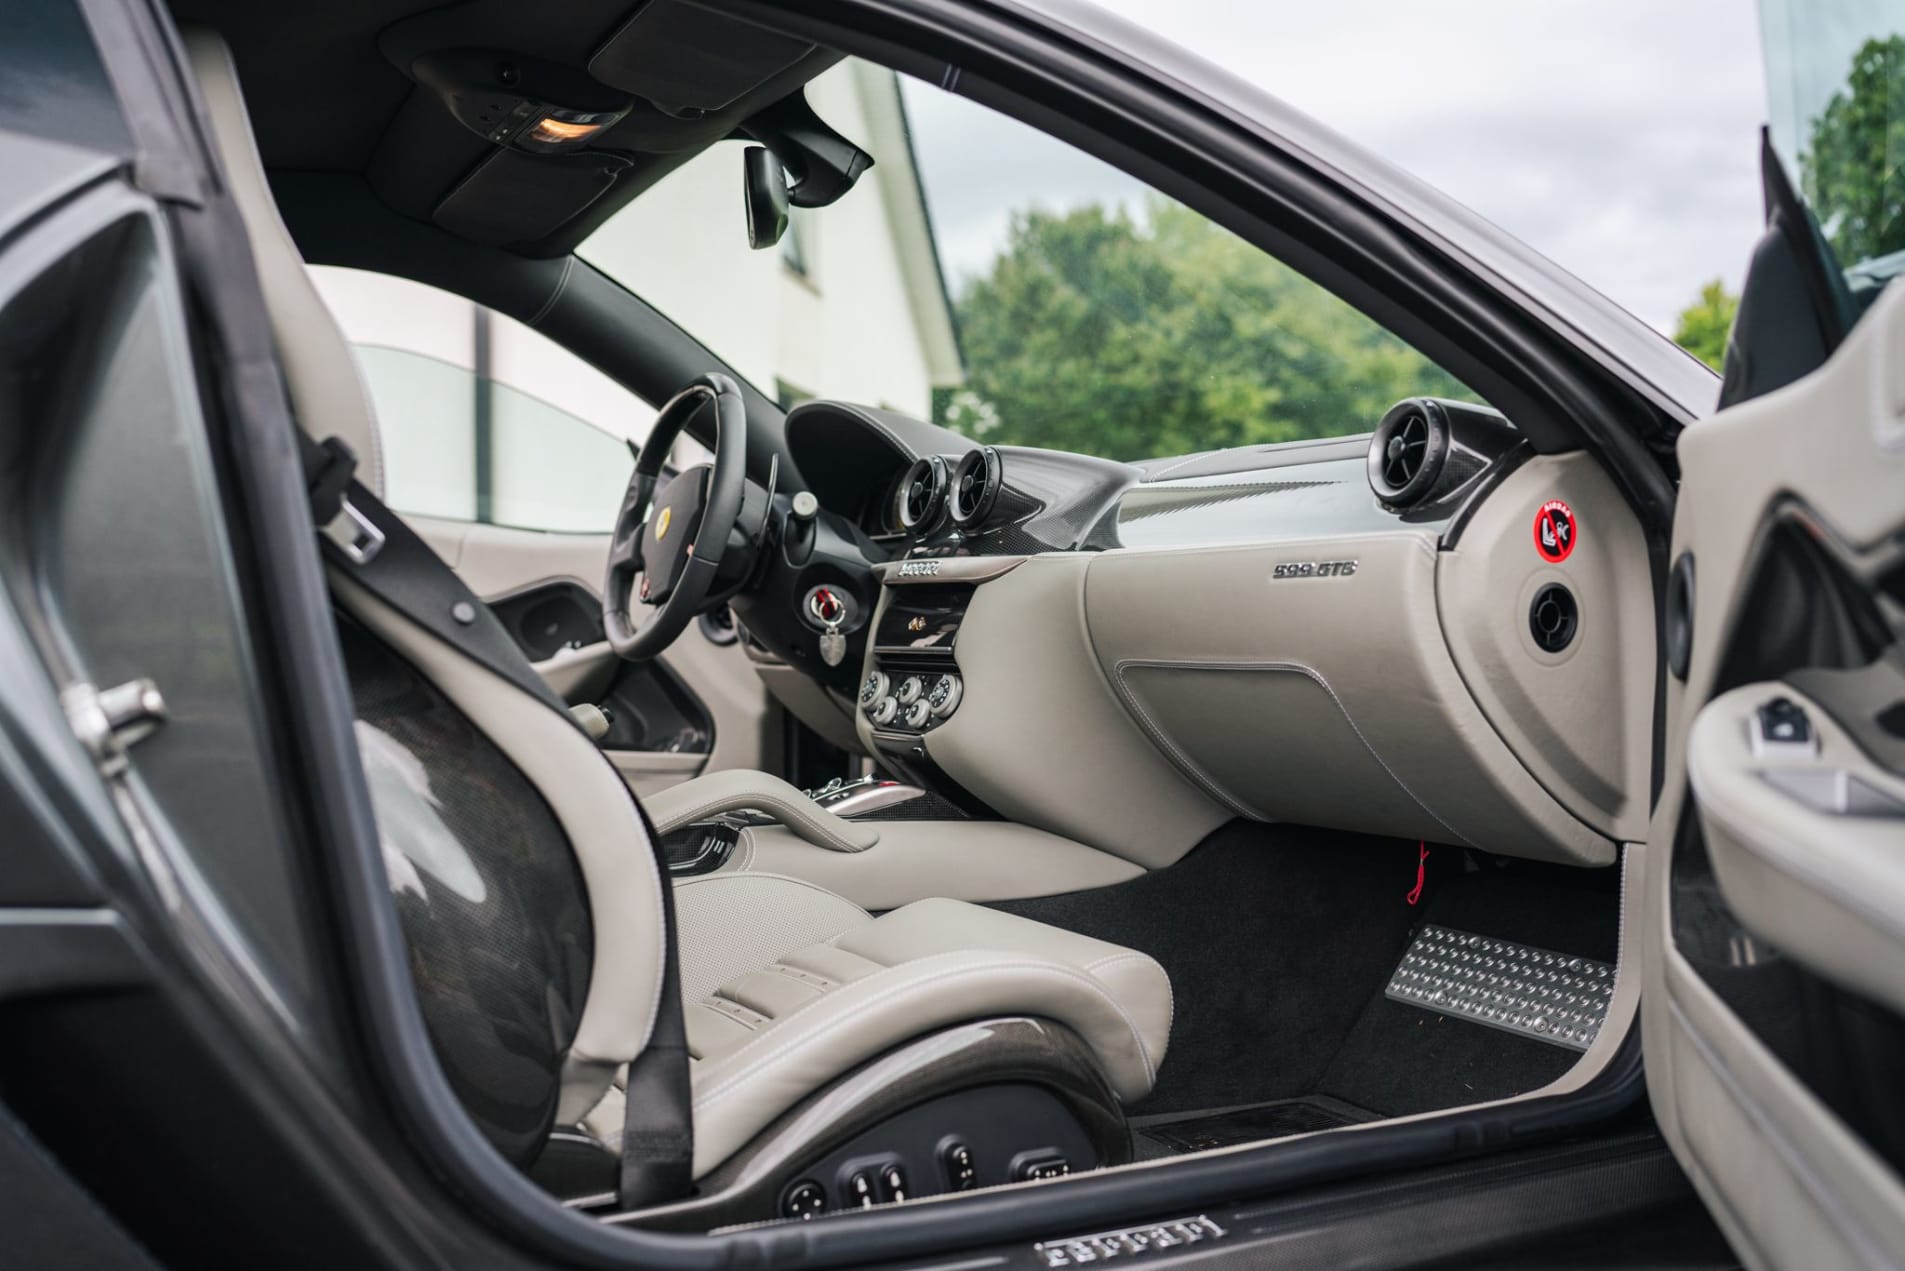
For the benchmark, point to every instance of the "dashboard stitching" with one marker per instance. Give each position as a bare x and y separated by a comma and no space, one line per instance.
1185,763
1125,691
1163,472
1185,766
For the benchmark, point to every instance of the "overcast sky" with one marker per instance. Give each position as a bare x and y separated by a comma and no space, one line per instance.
1618,137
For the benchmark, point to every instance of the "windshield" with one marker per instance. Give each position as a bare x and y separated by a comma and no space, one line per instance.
1008,286
1835,86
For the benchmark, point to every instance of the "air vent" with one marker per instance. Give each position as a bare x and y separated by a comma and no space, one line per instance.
923,495
975,487
1553,618
1407,453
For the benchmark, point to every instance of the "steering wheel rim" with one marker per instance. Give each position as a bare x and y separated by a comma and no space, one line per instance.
690,564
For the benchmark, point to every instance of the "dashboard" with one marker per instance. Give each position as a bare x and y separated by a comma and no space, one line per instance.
1430,631
918,490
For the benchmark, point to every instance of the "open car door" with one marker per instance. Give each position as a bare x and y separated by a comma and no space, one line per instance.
1774,1005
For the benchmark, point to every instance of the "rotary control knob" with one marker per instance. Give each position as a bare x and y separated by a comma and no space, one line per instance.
943,697
883,711
873,687
910,689
917,714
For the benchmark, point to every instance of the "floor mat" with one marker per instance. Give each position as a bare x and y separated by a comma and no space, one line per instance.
1177,1133
1402,1059
1280,941
1273,936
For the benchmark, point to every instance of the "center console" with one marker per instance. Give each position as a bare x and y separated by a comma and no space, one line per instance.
912,682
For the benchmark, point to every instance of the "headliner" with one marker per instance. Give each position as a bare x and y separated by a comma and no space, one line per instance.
328,91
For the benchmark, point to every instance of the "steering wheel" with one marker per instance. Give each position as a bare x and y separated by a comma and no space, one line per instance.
676,551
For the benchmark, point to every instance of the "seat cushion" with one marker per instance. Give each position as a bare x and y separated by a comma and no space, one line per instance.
788,987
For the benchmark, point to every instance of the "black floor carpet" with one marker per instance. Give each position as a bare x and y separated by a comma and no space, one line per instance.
1279,941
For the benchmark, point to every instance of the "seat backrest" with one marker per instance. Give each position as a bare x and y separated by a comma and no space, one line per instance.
328,397
529,892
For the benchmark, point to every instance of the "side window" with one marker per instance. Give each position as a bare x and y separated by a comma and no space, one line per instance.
483,419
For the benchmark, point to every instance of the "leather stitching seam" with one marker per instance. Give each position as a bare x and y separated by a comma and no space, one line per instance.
729,1084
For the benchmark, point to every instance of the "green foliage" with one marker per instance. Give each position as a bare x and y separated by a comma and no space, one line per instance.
1705,324
1106,334
1850,171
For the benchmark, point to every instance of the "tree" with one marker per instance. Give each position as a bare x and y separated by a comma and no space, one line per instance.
1104,333
1706,323
1850,170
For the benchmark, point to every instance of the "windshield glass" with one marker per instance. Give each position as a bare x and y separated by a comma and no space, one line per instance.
1835,87
1009,286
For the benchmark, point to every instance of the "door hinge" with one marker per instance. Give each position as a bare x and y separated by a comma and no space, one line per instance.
107,721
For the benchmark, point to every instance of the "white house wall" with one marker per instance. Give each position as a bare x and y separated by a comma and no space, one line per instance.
846,330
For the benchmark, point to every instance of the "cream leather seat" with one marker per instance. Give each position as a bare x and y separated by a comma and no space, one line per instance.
534,909
788,986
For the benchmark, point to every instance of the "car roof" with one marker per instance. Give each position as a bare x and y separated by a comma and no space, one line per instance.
331,88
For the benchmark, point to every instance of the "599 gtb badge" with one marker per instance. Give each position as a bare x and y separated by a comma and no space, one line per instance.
1315,569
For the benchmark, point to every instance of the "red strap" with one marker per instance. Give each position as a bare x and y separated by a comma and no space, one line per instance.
1415,893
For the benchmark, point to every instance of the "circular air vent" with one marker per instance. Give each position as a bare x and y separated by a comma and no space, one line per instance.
923,494
1553,618
975,487
1407,453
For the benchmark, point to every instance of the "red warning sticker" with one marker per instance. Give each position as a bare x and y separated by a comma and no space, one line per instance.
1555,531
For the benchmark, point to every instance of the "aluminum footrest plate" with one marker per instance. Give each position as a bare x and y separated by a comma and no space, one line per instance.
1551,997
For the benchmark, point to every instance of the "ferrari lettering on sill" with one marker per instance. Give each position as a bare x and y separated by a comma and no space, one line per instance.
1110,1246
1315,569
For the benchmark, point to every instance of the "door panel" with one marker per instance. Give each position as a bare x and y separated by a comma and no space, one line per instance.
1774,1018
698,685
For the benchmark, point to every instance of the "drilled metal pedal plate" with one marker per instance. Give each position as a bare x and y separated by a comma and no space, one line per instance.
1551,997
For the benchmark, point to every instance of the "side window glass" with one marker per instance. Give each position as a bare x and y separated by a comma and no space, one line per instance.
481,418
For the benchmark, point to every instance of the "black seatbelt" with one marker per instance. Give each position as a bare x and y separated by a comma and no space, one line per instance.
374,546
658,1136
385,556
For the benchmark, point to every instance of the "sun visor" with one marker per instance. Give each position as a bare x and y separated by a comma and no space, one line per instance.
516,197
690,61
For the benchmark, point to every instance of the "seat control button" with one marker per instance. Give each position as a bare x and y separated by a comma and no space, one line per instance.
1030,1167
860,1189
956,1159
893,1183
883,711
805,1199
910,689
917,714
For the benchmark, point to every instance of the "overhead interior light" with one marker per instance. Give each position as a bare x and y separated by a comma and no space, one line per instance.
528,103
559,129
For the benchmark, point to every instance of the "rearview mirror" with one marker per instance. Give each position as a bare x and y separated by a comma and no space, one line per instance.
766,191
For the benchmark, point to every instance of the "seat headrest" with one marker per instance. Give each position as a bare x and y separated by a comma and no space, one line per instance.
328,395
